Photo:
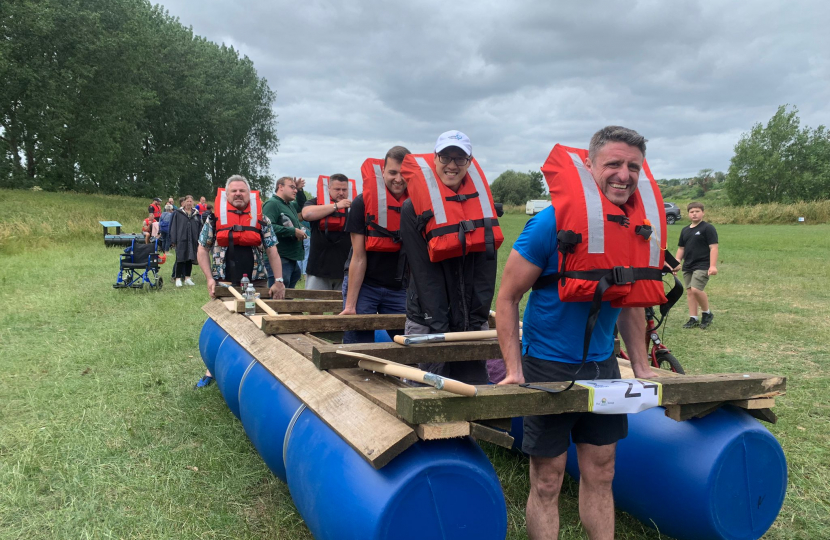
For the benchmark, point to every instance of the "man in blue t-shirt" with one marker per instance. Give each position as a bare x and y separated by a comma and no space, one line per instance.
552,349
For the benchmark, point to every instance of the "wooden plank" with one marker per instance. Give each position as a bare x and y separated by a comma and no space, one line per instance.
504,424
627,373
302,343
751,404
327,323
297,306
765,415
680,413
495,436
326,357
383,390
375,434
421,405
222,292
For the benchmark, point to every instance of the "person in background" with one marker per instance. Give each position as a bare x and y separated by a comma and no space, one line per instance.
147,227
202,206
164,227
698,249
208,213
184,237
330,244
155,209
170,202
283,210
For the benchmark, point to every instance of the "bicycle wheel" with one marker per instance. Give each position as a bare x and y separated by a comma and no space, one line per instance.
664,357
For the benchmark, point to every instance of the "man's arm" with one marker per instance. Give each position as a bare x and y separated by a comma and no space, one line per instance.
278,288
679,256
632,325
357,271
523,274
713,259
319,211
203,257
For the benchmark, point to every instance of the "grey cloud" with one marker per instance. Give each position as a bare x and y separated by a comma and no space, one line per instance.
354,78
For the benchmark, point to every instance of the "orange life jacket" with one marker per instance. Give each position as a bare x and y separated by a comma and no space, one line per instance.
335,221
606,252
156,210
597,238
382,209
455,223
238,227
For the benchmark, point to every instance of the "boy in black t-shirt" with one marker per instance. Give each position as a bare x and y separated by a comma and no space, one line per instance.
698,249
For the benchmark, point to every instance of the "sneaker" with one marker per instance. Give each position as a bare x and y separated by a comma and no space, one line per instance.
178,282
691,323
204,381
189,281
706,319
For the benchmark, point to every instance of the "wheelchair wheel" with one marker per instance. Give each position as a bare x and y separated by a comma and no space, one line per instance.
666,360
154,281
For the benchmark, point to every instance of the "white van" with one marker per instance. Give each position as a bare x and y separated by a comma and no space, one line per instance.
534,207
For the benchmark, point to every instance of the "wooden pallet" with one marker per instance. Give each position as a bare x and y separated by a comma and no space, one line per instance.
380,416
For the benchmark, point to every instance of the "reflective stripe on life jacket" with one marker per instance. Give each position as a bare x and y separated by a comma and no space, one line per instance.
382,209
238,227
453,223
596,236
335,221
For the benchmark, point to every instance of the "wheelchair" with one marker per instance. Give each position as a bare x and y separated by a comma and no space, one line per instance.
139,267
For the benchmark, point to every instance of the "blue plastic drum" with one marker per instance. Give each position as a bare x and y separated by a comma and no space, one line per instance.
210,338
231,363
435,489
723,476
266,408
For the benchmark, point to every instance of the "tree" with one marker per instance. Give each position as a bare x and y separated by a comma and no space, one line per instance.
513,187
704,180
780,162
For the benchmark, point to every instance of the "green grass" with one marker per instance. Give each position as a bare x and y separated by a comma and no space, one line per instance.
102,436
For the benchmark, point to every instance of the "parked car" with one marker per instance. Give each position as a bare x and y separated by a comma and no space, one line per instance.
672,213
534,207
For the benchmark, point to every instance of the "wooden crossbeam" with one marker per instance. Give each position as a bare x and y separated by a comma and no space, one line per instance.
222,292
486,433
421,405
296,306
326,357
374,433
328,323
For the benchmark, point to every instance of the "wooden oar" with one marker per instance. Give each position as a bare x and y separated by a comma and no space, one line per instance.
414,339
236,293
373,363
265,307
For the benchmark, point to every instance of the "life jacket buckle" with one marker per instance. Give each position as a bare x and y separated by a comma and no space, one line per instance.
237,228
466,226
623,275
644,230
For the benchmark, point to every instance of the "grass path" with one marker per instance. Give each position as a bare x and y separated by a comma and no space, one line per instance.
101,434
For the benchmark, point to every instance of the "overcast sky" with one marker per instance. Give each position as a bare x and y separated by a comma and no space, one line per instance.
355,78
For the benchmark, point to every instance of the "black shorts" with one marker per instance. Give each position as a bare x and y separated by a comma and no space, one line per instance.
550,435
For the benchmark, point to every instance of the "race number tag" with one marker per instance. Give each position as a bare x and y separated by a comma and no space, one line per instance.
622,396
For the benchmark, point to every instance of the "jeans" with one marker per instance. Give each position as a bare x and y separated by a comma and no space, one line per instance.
374,300
290,273
165,241
306,248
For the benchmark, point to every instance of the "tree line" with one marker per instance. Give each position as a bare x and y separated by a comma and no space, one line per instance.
118,97
777,162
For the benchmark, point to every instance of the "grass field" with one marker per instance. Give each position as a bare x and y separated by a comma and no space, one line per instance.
102,435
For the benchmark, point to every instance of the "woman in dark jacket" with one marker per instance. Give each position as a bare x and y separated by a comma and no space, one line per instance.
184,237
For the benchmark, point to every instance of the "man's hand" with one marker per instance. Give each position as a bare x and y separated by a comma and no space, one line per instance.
345,203
518,378
300,234
300,182
676,269
212,287
277,290
713,270
643,372
349,311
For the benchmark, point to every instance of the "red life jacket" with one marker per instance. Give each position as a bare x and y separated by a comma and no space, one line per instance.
335,221
238,227
598,238
456,223
156,210
382,209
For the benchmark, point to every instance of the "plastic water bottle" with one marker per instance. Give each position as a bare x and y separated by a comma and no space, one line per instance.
249,293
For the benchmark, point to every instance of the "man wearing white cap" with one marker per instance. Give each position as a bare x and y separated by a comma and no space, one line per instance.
447,292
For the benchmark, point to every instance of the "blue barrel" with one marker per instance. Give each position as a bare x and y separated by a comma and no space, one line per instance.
209,340
434,489
266,407
231,363
382,336
722,476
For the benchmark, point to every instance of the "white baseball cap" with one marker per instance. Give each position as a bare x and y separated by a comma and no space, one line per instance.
454,138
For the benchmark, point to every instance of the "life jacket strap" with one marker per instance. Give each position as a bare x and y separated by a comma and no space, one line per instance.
461,197
616,218
375,230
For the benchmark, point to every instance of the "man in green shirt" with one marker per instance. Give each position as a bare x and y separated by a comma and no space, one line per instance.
283,210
